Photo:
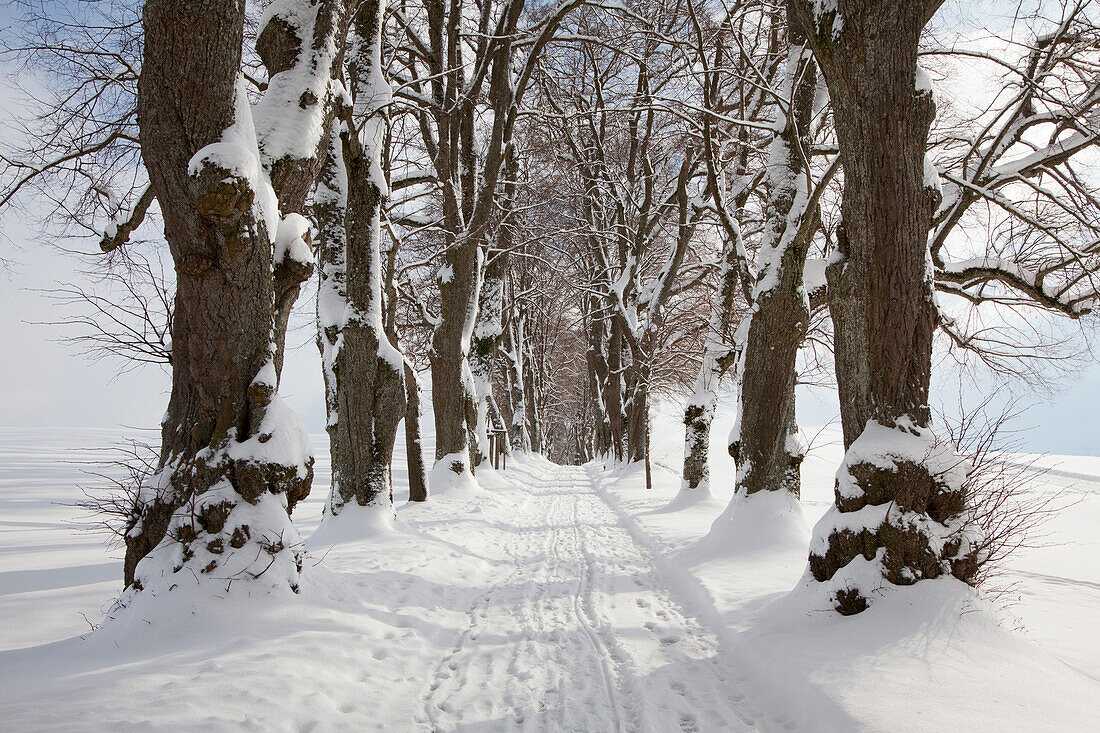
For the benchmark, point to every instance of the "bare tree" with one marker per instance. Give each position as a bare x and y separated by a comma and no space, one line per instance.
1012,178
220,503
637,211
452,62
896,495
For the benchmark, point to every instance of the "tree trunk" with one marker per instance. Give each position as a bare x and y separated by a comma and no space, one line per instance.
597,376
900,482
765,439
531,399
302,48
483,350
329,211
516,356
700,408
414,448
368,369
637,410
220,503
613,393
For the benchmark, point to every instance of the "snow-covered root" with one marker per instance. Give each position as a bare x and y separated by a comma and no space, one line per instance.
352,524
899,517
690,498
234,537
452,473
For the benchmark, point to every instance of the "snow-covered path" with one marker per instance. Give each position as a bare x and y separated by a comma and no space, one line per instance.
582,635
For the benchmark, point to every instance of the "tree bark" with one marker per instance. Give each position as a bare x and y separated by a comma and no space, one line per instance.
368,369
483,350
765,440
597,376
881,301
302,48
220,504
718,353
469,200
414,448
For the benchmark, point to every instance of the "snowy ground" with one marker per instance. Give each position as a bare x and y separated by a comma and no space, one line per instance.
558,599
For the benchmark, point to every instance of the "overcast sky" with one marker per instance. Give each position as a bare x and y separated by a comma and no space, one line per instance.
46,383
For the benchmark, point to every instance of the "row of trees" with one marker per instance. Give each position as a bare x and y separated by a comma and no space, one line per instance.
563,210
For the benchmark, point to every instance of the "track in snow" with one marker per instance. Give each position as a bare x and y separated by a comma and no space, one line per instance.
582,636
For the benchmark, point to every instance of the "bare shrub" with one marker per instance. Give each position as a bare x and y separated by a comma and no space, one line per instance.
112,504
1001,485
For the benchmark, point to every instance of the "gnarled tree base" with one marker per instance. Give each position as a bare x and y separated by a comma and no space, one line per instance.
899,517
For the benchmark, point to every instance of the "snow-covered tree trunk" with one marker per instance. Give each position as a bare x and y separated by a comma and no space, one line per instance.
369,371
717,355
301,44
233,456
597,376
483,350
329,211
414,444
764,441
531,397
637,409
469,201
899,497
454,396
642,319
613,390
514,350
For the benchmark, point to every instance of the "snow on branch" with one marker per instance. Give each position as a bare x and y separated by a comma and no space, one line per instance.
1009,172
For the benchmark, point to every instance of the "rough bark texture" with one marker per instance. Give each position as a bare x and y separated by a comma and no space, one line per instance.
613,390
414,448
469,201
329,203
880,289
699,411
880,292
453,393
483,349
369,371
642,333
514,349
597,376
767,450
223,314
637,410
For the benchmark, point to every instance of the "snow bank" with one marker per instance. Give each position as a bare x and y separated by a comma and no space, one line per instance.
354,523
765,523
444,479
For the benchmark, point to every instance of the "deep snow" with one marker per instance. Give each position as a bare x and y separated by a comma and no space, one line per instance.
554,599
